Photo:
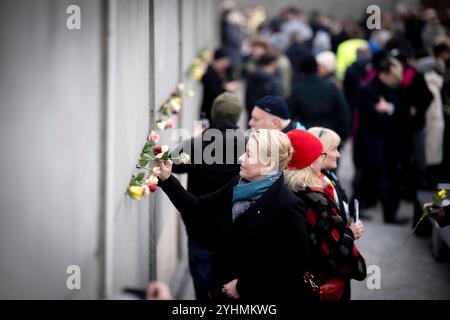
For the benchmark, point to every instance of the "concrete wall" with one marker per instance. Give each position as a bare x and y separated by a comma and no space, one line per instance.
130,100
75,110
50,138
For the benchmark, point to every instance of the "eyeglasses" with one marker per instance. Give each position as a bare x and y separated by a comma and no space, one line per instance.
323,155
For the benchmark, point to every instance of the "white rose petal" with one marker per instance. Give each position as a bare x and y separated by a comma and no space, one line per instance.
184,158
164,148
145,191
161,125
152,180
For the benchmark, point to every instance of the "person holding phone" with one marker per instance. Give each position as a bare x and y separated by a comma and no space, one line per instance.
330,141
334,256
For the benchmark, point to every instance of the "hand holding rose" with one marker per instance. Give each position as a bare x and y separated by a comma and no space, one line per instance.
166,168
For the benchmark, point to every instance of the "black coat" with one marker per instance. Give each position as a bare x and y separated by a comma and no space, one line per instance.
333,250
213,85
265,248
416,94
259,85
317,102
376,144
203,177
445,221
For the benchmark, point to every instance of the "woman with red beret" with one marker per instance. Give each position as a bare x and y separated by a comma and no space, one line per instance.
334,256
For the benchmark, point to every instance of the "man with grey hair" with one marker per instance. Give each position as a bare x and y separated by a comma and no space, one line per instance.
271,112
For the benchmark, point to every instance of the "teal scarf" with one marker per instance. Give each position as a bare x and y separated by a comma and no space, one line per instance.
246,193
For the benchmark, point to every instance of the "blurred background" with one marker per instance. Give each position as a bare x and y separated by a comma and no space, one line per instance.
76,106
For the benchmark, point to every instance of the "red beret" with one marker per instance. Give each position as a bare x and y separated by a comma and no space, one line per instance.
307,148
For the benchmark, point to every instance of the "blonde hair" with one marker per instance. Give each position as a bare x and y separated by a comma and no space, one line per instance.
298,180
328,137
273,145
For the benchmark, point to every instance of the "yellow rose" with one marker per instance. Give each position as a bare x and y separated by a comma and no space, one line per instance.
197,73
136,192
442,194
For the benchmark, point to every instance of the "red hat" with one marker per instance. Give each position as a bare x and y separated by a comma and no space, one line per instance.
307,148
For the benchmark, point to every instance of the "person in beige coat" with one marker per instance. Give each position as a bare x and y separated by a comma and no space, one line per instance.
434,121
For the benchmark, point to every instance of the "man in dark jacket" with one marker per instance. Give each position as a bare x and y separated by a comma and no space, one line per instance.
207,175
376,150
263,81
317,102
416,98
215,82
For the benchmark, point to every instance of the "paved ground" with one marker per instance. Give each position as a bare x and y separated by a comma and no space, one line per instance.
406,272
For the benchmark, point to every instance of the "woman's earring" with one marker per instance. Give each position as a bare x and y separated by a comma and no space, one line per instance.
311,166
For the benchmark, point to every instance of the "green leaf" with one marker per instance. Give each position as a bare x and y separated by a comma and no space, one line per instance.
147,148
146,156
436,199
166,155
133,182
143,163
140,176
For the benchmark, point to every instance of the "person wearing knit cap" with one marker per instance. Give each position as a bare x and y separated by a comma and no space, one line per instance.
335,258
271,112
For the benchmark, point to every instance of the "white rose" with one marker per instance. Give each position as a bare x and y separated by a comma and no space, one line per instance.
152,180
164,148
184,158
161,125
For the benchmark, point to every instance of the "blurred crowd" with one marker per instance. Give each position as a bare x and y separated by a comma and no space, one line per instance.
309,84
386,90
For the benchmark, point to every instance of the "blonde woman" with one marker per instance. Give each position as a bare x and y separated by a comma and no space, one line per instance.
330,141
334,257
261,237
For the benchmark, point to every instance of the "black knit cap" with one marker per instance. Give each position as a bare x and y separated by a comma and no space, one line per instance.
221,53
274,105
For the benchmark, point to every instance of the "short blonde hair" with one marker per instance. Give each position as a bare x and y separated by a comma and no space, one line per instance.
273,145
298,180
328,137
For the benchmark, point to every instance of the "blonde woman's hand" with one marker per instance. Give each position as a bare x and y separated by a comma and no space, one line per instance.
230,289
166,168
357,228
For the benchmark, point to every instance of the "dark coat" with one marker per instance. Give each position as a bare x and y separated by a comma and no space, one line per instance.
333,250
204,178
213,85
317,102
415,93
376,144
445,221
266,248
259,85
